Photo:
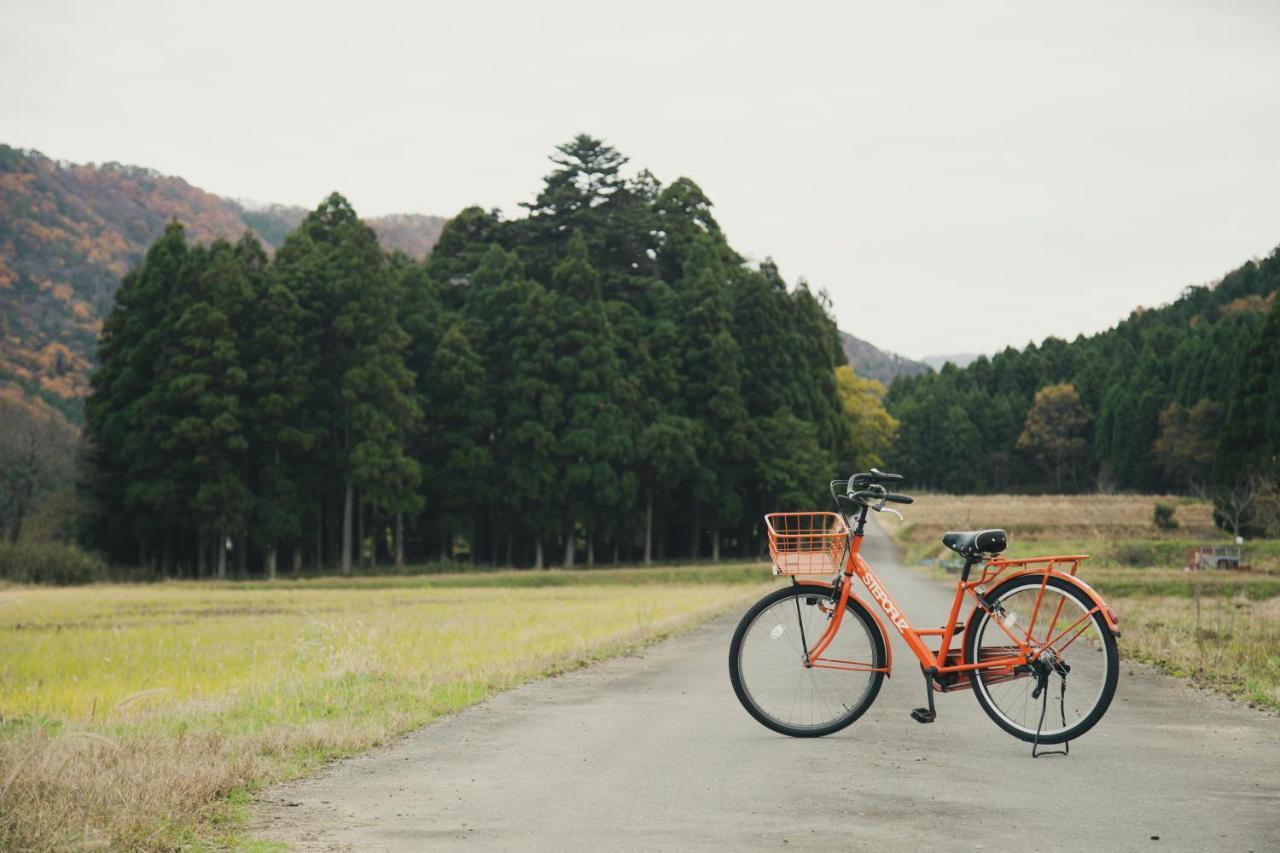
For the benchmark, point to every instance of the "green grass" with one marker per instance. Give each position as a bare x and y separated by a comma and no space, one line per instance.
144,716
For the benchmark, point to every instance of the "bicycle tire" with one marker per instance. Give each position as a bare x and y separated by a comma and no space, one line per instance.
982,681
743,683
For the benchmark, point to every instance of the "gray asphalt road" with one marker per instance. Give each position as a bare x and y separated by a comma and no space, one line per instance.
654,753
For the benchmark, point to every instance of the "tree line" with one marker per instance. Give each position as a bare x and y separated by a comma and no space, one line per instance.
1184,398
601,379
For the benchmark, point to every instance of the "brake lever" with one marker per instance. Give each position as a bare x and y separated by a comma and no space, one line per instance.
895,512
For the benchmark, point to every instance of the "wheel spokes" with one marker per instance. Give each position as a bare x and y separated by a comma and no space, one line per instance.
773,671
1065,681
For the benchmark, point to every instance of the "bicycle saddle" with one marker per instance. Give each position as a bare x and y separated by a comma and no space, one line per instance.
971,543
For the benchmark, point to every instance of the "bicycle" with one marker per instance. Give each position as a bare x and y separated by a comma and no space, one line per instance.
808,660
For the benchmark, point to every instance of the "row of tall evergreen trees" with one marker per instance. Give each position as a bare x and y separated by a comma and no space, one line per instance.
602,379
1184,397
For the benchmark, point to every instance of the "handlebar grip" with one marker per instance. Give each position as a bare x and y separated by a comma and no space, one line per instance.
898,499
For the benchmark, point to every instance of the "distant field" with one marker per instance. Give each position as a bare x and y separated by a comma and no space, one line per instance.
137,717
1219,628
1058,516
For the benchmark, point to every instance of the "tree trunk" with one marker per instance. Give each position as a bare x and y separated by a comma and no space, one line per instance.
697,532
510,546
242,555
271,562
201,555
537,552
168,553
715,543
319,564
648,529
297,559
495,529
360,562
399,539
28,491
591,547
348,508
222,554
615,551
569,547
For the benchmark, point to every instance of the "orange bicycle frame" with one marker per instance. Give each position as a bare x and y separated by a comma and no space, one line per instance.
944,661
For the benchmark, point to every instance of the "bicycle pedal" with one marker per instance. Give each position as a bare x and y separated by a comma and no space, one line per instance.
923,715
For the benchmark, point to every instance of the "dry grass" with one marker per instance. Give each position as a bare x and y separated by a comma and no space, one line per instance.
1059,516
1229,644
135,717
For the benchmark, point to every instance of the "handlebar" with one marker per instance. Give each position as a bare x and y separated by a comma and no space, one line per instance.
872,478
866,489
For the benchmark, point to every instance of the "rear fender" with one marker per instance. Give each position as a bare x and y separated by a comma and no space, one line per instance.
1113,621
884,635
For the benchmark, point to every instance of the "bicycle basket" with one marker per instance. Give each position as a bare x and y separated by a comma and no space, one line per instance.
806,543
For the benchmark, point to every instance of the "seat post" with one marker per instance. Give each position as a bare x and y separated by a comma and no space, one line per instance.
969,563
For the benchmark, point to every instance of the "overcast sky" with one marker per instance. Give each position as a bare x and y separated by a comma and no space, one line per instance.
959,176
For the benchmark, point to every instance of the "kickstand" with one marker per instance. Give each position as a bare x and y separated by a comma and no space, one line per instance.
926,715
1036,752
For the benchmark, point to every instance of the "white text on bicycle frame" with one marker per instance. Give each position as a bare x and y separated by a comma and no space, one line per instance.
891,610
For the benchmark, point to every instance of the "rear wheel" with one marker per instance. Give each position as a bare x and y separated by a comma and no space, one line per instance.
767,662
1076,670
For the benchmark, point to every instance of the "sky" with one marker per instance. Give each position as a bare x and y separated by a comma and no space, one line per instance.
959,176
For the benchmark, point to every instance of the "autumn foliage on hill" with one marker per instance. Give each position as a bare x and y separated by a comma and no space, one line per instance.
69,233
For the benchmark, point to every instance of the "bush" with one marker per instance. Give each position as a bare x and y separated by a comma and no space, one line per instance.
1162,515
1132,553
52,564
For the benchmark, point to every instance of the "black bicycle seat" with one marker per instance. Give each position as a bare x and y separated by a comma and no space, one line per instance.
971,543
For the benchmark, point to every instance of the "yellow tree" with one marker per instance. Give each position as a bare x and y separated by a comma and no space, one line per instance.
871,427
1054,431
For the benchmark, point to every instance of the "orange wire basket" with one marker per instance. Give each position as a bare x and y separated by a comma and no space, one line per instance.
807,543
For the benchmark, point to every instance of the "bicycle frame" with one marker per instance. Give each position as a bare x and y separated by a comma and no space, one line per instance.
1022,650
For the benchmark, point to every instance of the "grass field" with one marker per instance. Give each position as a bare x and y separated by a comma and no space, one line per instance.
140,717
1219,628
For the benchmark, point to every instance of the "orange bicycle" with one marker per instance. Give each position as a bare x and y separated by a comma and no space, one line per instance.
809,659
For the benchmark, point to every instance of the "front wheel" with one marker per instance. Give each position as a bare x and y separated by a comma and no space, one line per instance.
1068,687
767,662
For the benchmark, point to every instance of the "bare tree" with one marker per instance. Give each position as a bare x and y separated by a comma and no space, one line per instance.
37,456
1237,502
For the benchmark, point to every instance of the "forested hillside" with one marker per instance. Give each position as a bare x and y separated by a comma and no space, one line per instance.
1182,397
69,232
874,363
602,379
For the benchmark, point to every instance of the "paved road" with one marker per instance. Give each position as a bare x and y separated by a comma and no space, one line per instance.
654,753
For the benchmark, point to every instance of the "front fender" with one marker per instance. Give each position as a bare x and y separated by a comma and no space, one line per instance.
1113,621
888,641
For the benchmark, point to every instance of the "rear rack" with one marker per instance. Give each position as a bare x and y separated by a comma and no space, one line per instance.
1067,564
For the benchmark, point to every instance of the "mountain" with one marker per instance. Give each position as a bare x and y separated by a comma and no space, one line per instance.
959,359
69,232
411,233
871,361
